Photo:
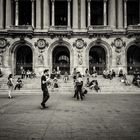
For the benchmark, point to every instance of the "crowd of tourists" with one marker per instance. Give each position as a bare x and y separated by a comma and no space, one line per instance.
80,88
27,73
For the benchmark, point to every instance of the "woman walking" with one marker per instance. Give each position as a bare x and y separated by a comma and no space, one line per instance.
10,85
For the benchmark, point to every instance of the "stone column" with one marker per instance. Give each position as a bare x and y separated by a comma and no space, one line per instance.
8,13
105,13
75,14
53,14
139,12
1,14
69,15
83,14
16,13
38,14
33,13
46,14
112,13
120,13
89,13
125,13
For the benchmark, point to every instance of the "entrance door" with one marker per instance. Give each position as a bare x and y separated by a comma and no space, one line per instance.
97,58
133,59
23,58
61,59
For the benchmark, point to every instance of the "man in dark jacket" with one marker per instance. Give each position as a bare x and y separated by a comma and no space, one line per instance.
44,84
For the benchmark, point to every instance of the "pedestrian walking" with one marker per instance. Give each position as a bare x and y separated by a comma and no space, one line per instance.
10,85
44,84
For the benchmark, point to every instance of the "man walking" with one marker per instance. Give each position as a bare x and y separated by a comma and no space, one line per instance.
44,84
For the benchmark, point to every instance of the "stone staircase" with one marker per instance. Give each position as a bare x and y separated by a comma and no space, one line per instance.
32,86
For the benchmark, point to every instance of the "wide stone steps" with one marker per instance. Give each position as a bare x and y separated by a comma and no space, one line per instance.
32,86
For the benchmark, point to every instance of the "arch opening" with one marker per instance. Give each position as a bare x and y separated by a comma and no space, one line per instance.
23,58
97,58
61,59
133,59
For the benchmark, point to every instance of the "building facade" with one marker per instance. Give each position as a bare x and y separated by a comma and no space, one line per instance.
39,34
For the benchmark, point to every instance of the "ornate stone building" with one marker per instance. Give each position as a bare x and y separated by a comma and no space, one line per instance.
39,34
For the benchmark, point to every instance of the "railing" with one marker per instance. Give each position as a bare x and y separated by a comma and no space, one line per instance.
21,30
133,30
99,30
98,27
133,27
63,28
60,30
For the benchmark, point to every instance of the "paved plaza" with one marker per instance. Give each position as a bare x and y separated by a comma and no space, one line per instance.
98,117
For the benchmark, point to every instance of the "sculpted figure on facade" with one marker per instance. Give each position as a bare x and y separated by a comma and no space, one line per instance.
80,58
41,59
118,60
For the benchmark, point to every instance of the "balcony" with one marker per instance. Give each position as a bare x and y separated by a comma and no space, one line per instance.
60,31
133,30
99,30
21,30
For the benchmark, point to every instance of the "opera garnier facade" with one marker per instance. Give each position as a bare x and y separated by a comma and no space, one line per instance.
40,34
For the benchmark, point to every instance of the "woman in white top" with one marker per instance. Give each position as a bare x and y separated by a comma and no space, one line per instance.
10,85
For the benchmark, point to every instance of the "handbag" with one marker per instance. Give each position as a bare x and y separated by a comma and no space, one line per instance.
9,83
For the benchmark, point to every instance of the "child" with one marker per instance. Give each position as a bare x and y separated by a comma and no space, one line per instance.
18,84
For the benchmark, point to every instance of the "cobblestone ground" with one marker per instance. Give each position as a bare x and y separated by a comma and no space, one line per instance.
98,117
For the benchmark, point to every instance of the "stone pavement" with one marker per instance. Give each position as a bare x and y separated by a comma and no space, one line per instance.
98,117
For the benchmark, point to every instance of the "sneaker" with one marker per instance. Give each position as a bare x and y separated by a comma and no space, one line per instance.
43,105
10,97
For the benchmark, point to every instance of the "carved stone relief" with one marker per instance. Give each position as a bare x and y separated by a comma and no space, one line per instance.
3,45
118,44
41,44
79,43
